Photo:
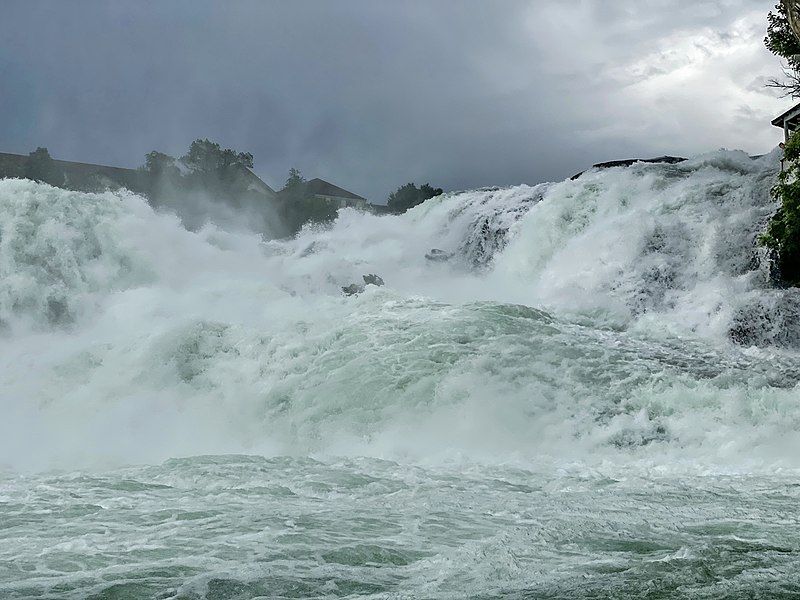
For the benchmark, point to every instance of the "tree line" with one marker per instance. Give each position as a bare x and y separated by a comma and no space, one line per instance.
782,236
222,173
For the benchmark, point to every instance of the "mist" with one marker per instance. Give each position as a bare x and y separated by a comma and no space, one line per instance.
369,96
416,299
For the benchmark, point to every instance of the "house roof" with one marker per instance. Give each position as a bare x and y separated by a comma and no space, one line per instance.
259,183
790,114
325,188
17,162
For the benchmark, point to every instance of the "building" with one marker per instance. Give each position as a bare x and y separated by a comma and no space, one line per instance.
788,121
89,177
257,185
325,190
77,175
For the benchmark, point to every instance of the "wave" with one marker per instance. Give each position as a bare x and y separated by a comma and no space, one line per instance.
622,318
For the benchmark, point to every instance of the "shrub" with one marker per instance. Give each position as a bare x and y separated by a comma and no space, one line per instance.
783,231
409,195
41,167
298,206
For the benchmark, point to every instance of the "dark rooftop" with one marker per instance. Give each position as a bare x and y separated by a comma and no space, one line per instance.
13,165
324,188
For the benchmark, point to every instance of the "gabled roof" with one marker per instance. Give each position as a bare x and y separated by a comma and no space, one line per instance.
325,188
789,114
259,183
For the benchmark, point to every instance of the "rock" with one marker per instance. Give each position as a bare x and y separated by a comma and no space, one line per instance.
352,289
437,255
357,288
670,160
772,318
372,279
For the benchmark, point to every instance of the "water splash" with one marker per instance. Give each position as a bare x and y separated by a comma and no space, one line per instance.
611,319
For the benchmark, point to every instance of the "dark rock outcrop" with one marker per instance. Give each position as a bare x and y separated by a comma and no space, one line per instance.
357,288
770,319
372,279
670,160
352,289
437,255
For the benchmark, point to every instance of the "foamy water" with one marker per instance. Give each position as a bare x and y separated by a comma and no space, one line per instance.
595,395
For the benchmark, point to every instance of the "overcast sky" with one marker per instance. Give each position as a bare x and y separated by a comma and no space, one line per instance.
371,94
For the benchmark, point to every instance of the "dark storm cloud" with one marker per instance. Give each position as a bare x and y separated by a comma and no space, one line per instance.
372,94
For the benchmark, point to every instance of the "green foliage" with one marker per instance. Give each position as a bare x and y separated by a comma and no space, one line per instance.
783,231
211,169
41,167
298,206
780,39
158,164
409,195
782,236
783,42
295,183
210,159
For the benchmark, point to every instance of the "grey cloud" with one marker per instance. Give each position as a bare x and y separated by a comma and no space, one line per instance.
373,94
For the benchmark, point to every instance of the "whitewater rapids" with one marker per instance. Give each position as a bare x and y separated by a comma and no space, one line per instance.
595,396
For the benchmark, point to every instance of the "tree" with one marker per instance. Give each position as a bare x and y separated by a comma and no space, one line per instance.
158,163
409,195
299,206
782,235
783,231
41,167
782,40
295,183
208,168
426,191
212,164
210,159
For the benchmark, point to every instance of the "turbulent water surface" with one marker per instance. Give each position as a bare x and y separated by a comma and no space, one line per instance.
590,390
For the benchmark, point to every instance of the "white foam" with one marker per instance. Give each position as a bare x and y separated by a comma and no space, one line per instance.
166,342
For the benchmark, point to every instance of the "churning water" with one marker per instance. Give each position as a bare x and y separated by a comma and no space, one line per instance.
590,390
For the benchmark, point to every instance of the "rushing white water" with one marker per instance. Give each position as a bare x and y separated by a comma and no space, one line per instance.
496,422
